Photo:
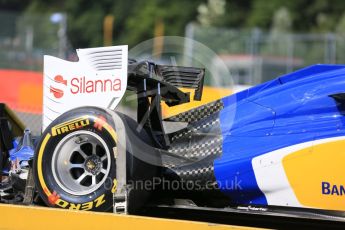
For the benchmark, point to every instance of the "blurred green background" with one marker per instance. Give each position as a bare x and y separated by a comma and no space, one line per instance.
272,37
135,19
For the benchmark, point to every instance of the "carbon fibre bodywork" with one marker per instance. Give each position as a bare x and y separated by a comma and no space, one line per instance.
280,142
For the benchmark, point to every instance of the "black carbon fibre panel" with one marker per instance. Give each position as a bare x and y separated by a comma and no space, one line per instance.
200,146
200,174
201,143
207,126
198,113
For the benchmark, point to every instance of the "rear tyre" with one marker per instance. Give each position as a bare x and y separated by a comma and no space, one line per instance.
74,164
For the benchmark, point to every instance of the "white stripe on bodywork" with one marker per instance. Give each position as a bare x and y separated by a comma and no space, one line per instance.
271,177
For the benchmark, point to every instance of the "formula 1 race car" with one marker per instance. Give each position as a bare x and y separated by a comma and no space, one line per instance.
279,144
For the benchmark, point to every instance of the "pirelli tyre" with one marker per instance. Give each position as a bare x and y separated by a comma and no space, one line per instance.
74,162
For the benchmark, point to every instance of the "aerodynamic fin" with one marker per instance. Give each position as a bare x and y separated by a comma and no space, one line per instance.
186,77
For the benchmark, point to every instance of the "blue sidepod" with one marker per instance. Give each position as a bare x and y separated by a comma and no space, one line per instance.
289,110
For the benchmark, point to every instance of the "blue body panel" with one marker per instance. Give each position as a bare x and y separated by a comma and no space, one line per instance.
289,110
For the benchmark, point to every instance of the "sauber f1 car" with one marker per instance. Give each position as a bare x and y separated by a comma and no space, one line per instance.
279,144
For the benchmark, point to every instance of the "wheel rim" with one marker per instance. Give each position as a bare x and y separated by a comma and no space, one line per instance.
81,163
